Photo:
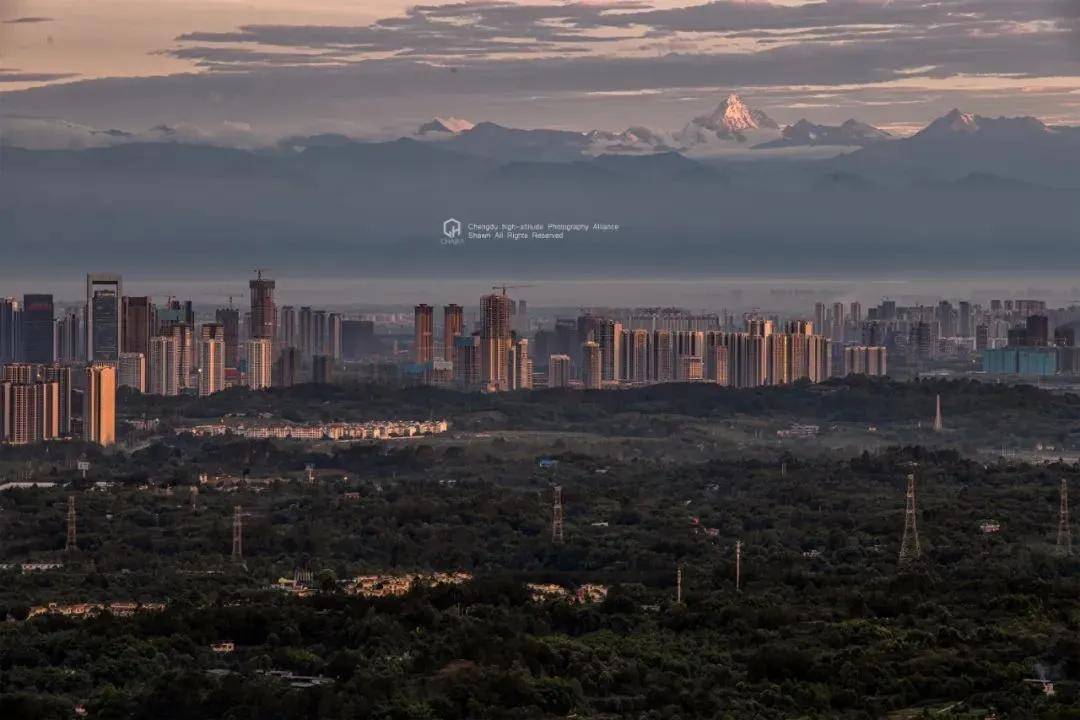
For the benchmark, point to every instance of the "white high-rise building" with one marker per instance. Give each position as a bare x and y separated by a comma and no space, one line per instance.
259,362
211,366
131,371
165,362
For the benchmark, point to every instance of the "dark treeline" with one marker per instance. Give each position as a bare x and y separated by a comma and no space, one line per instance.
826,625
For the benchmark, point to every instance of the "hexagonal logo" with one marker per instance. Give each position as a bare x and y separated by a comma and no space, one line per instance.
451,228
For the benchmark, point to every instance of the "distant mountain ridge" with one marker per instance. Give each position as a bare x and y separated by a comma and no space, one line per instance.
851,133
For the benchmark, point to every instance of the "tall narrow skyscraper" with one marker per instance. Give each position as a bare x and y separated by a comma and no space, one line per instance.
164,367
287,329
211,363
229,319
453,326
38,331
263,310
495,342
10,318
104,317
139,324
423,334
260,364
99,404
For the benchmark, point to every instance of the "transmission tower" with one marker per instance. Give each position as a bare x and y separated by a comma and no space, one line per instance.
678,583
909,545
557,515
937,415
194,498
738,565
71,545
1064,539
238,534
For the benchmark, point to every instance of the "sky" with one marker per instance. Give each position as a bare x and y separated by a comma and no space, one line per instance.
378,67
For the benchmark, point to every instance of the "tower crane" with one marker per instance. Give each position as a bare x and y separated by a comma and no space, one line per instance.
504,288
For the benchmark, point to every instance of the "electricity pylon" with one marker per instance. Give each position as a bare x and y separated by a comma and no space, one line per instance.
238,535
1064,538
678,583
557,515
909,545
71,544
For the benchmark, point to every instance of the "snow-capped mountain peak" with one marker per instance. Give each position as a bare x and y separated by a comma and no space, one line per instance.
448,126
731,120
957,124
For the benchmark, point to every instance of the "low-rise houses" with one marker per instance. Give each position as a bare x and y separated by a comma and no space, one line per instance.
396,585
79,610
375,430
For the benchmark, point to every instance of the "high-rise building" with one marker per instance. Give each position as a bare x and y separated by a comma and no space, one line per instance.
38,331
184,336
720,365
333,336
10,331
522,365
467,362
609,337
636,366
104,317
99,404
966,319
70,338
819,317
61,375
495,342
592,373
139,324
358,340
559,371
229,318
322,370
319,334
423,334
263,311
663,356
287,330
287,367
259,362
211,360
856,313
307,334
861,360
131,371
453,326
29,411
164,369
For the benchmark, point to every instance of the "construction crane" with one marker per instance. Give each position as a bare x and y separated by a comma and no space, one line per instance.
504,288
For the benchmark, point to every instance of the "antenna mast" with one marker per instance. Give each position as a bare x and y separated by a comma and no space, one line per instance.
738,565
678,583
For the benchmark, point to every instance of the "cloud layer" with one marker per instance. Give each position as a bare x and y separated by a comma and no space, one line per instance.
893,62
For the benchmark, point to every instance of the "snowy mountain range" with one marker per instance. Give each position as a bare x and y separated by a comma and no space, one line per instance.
732,126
